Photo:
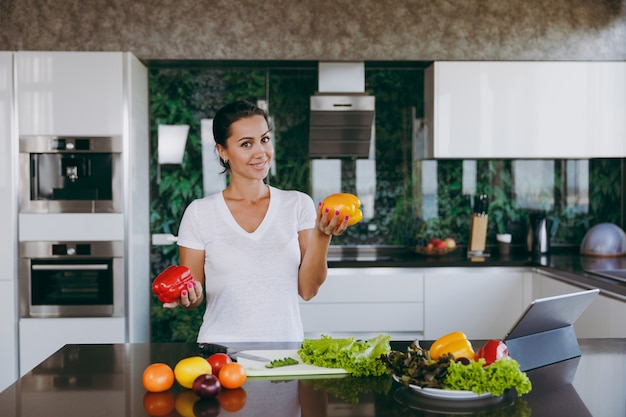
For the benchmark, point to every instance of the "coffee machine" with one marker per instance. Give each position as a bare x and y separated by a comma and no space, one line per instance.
538,236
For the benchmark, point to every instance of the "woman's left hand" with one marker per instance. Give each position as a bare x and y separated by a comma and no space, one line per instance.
333,227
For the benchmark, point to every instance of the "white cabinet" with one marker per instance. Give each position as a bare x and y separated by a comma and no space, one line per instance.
8,330
8,216
70,93
94,94
364,302
526,109
603,318
8,168
40,338
483,303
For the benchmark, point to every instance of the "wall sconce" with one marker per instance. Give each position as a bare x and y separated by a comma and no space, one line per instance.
172,140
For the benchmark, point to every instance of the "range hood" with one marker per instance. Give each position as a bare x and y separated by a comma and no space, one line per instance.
342,114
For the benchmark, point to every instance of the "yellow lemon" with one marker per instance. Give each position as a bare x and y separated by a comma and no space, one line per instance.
188,369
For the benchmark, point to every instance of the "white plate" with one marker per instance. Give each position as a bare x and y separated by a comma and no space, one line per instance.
447,394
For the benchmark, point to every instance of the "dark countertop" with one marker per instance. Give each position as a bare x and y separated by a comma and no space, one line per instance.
563,263
105,380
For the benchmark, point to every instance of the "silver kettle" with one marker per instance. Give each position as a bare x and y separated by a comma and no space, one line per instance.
538,237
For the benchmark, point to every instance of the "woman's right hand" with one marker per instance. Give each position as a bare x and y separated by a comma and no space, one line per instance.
190,297
333,227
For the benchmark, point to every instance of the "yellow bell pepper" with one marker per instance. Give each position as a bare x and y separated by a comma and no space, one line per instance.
454,343
347,205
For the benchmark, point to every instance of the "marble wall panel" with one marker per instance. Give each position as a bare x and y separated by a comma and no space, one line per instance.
336,30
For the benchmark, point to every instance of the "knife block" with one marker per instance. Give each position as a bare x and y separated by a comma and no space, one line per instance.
478,234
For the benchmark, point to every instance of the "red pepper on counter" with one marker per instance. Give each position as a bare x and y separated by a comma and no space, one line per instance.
171,282
492,351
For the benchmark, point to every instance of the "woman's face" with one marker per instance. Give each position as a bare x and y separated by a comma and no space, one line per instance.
249,150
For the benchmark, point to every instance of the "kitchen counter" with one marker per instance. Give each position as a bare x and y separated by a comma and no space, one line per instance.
563,263
105,380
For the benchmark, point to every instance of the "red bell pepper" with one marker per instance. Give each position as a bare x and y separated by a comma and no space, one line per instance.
492,351
171,282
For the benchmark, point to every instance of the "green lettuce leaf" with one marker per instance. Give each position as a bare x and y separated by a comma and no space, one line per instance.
358,357
494,378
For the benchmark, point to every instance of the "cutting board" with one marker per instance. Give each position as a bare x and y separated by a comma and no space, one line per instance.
258,369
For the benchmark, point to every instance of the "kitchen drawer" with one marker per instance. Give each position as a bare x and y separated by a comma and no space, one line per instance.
364,302
359,318
361,285
483,303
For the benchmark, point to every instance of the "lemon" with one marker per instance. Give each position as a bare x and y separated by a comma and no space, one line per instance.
188,369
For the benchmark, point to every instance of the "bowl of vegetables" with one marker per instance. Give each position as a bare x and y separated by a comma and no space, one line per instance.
435,246
451,369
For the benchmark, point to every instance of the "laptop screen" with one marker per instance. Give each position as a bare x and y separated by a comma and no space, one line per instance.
551,313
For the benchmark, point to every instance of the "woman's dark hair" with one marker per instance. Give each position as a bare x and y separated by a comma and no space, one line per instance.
228,115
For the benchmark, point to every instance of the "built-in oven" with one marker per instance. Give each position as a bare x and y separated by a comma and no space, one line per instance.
70,174
71,279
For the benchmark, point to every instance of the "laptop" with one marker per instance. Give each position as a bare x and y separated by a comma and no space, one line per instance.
551,313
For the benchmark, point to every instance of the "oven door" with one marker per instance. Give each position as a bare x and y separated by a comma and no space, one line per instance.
71,286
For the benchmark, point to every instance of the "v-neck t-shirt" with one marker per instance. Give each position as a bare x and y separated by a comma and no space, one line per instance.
251,278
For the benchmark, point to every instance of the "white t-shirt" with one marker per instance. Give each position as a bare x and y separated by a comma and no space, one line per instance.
251,279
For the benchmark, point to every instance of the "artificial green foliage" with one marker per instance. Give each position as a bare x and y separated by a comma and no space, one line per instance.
289,92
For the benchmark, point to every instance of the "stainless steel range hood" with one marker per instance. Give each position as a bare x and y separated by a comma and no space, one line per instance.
342,114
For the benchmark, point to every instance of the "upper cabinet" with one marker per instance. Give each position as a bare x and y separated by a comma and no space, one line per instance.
70,93
525,110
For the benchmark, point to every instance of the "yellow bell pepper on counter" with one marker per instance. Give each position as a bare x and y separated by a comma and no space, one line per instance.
454,343
346,204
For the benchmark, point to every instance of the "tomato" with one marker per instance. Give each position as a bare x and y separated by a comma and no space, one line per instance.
185,402
232,375
217,360
232,399
158,403
157,377
188,369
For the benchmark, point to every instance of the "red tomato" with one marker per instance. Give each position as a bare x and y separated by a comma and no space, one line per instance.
217,360
157,377
232,375
158,403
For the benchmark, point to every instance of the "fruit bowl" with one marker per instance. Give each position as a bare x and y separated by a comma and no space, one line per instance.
432,251
435,246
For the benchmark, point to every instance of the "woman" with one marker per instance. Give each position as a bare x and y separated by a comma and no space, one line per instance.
253,248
